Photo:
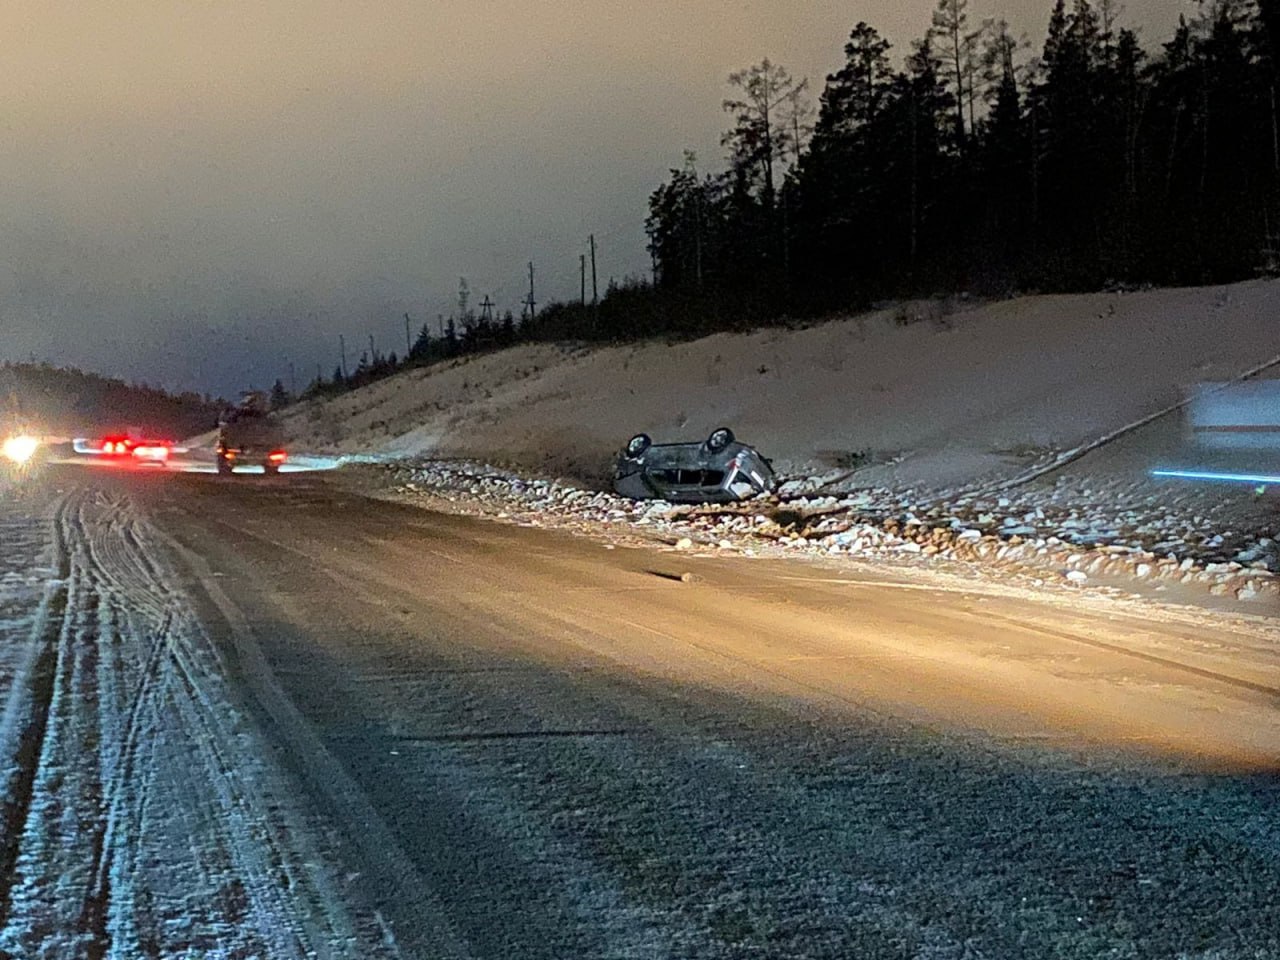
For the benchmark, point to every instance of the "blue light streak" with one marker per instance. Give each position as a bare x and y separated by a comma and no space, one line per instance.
1258,479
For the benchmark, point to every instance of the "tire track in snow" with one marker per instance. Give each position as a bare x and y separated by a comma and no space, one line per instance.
32,693
63,839
141,819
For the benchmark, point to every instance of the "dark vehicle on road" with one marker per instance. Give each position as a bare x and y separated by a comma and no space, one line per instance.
248,434
716,470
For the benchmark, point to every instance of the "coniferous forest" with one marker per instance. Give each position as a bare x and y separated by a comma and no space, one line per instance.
975,161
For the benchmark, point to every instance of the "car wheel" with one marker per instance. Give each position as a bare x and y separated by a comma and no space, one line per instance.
720,438
224,467
638,444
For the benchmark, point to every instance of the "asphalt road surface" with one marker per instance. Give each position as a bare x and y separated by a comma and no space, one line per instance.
456,738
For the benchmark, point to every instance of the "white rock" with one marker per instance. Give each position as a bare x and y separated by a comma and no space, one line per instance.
1076,576
684,543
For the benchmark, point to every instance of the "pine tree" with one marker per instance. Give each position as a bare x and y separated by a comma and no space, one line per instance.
422,343
1004,149
854,93
681,227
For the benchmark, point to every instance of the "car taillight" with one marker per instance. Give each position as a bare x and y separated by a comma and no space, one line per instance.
276,456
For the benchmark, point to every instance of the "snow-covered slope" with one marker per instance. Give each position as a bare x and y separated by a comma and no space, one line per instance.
935,395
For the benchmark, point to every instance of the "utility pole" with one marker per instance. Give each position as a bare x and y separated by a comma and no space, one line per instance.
408,346
532,303
342,347
582,274
373,353
293,380
486,310
595,291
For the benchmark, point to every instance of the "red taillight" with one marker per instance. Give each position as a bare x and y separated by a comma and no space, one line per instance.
276,456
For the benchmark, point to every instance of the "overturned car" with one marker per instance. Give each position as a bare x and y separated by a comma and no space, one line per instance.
716,470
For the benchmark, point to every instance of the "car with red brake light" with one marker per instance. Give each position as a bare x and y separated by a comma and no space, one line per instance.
126,447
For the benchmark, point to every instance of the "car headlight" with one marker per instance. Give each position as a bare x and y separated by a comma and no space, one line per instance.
19,449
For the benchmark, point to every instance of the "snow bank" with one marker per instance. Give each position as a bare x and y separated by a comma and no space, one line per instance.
931,399
1045,544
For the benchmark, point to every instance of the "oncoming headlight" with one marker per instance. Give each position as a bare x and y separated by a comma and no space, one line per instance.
19,449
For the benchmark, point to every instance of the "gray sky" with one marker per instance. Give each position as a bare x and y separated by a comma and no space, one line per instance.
198,192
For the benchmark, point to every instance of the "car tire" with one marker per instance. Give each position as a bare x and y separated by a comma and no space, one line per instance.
638,444
720,439
224,467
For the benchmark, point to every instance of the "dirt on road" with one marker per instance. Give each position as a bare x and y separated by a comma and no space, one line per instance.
480,740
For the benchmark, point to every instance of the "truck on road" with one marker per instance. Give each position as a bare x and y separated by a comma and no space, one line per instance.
249,434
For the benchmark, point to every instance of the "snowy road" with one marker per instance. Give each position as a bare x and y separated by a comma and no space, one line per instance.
273,718
142,817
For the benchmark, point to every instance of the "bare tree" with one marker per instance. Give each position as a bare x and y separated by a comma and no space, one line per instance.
958,46
799,118
1109,12
999,57
763,130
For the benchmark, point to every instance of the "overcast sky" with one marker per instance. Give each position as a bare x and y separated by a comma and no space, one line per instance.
199,192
